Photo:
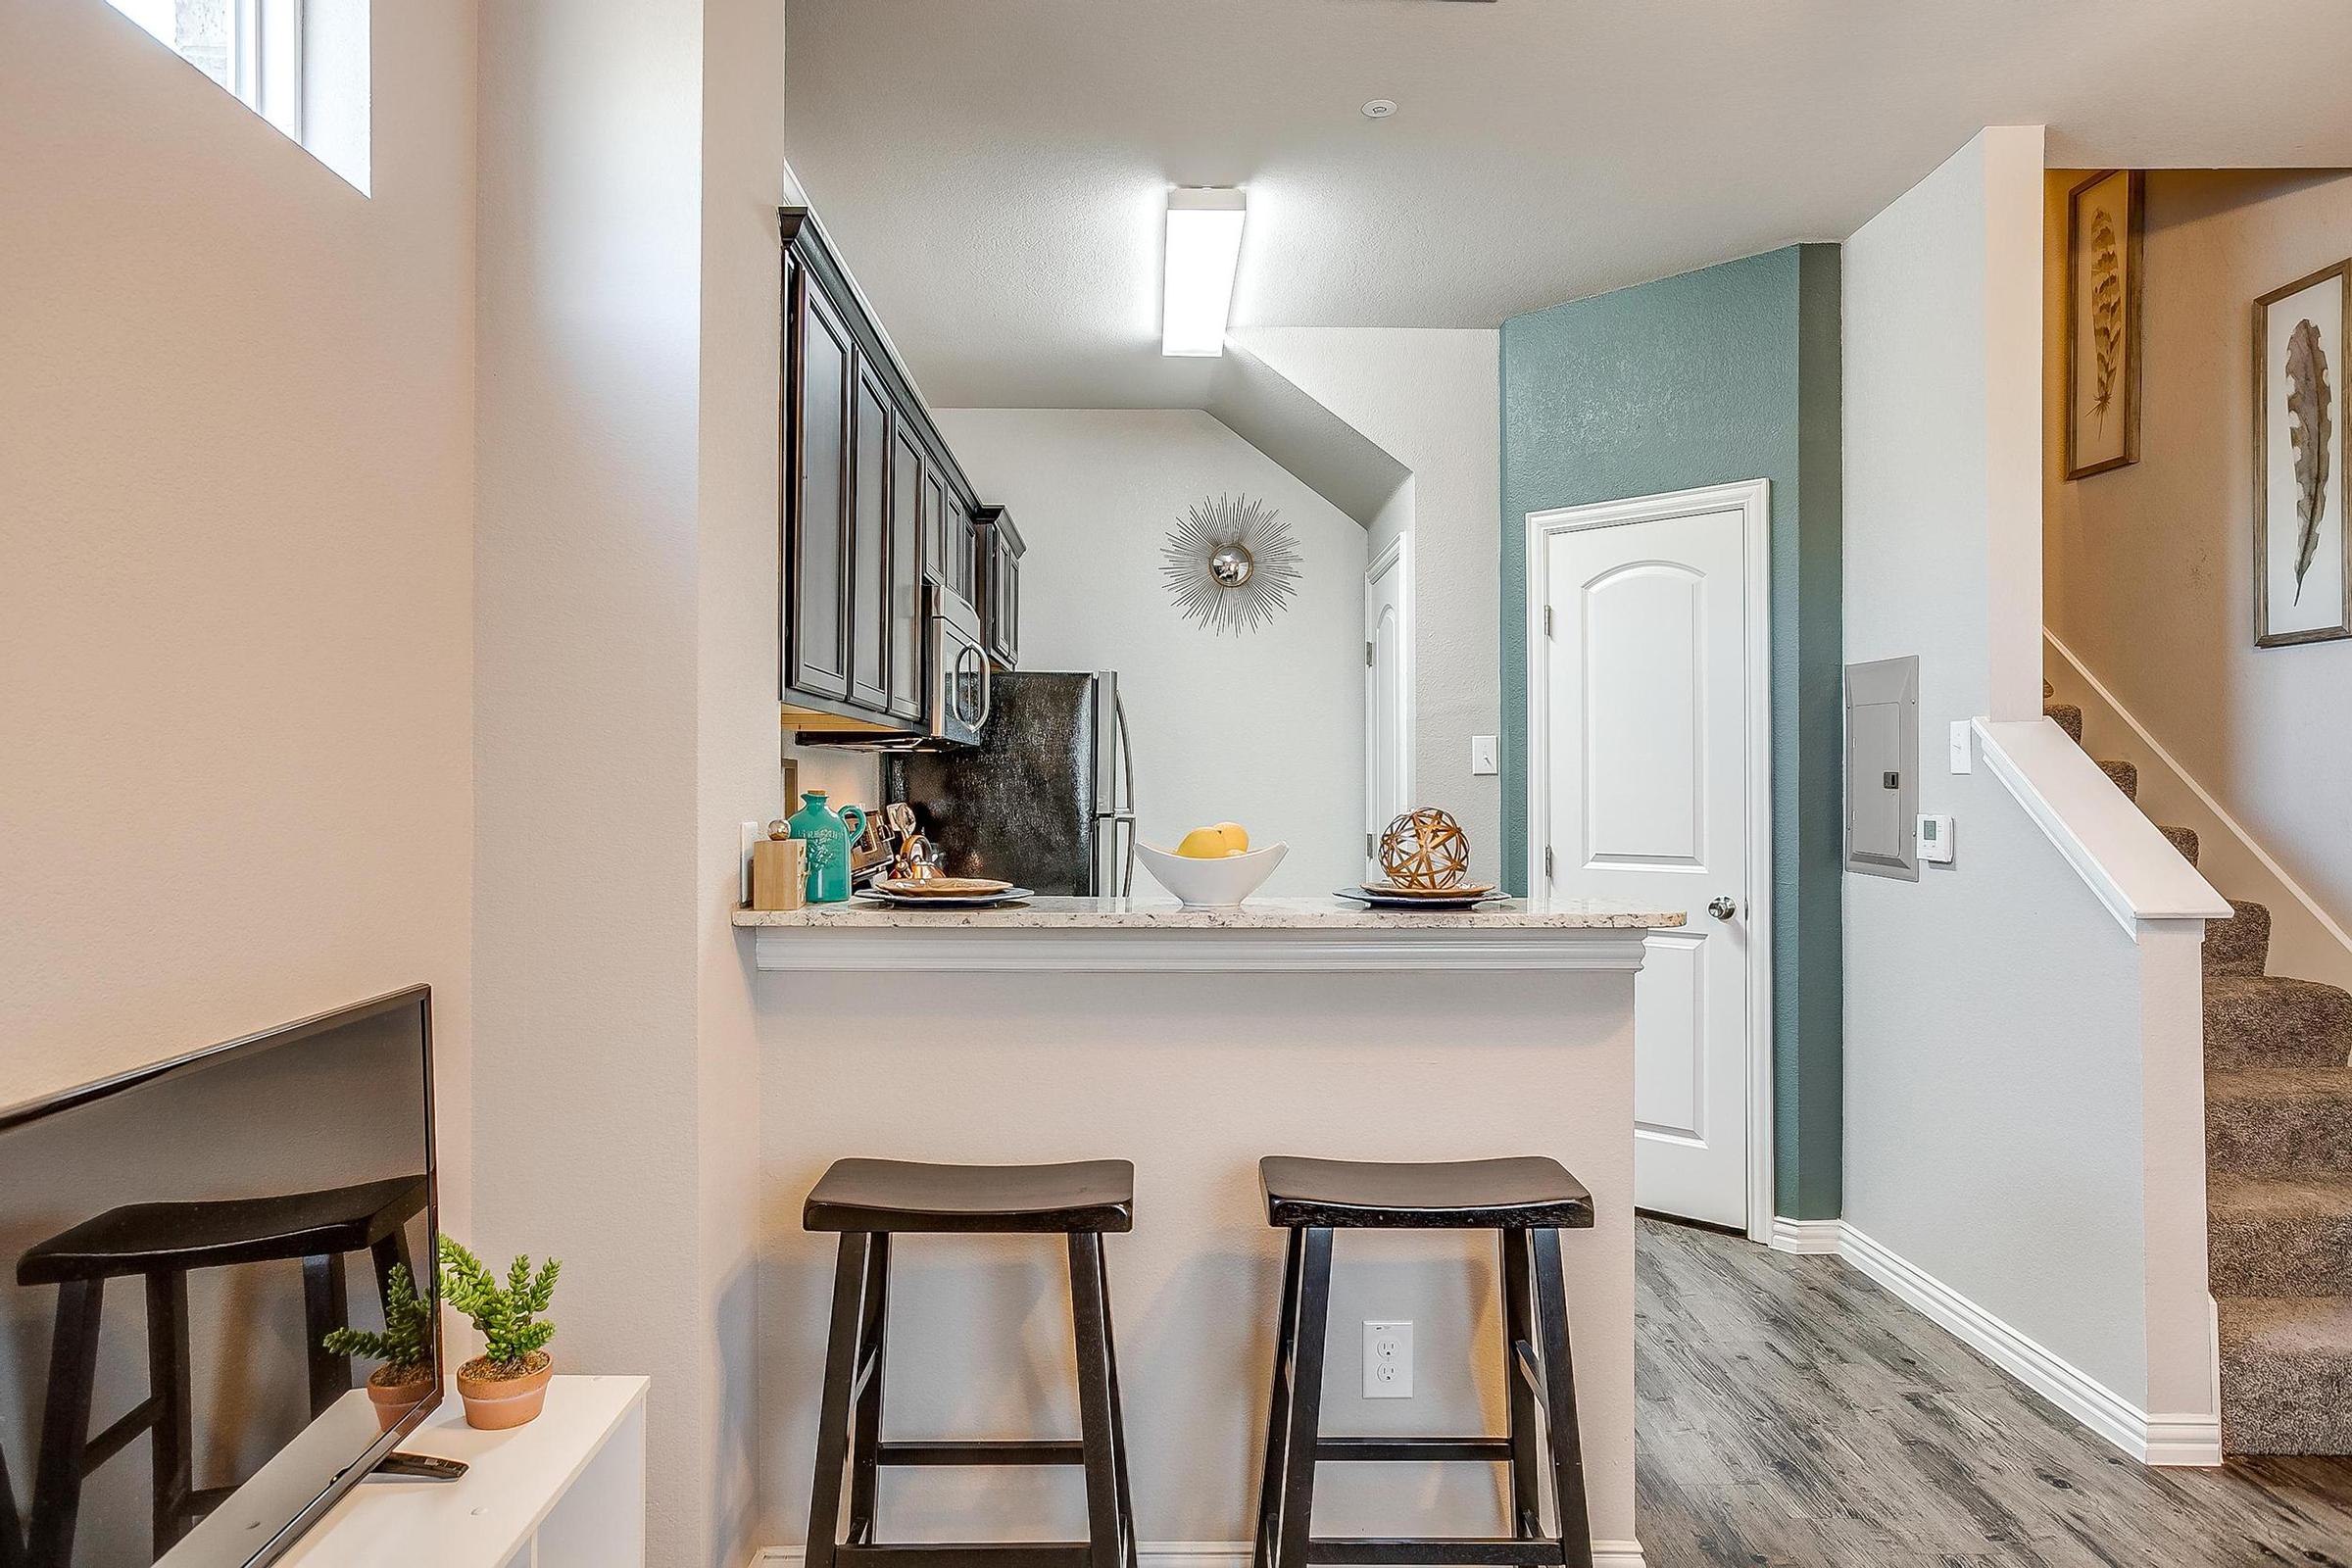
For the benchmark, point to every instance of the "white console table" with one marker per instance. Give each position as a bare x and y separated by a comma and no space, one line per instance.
567,1491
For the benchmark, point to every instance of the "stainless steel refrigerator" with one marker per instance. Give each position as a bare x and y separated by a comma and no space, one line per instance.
1045,801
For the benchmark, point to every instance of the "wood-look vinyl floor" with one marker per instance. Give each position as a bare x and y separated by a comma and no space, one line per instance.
1792,1412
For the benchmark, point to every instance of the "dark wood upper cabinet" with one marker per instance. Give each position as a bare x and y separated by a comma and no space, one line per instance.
998,553
907,488
873,507
816,500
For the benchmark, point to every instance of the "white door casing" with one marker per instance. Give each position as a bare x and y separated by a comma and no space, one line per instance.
1387,693
1649,779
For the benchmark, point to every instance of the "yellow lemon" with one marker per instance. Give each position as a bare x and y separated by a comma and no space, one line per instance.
1202,844
1236,837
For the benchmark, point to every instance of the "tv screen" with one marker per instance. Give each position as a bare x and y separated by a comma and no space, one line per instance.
176,1244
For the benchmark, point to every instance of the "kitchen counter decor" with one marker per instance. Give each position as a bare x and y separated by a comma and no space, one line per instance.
1425,849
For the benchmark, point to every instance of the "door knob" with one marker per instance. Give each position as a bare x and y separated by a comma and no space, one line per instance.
1723,908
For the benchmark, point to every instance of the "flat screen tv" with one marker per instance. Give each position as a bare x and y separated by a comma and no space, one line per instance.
175,1245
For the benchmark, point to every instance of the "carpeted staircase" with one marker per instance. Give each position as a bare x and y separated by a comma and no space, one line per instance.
2278,1179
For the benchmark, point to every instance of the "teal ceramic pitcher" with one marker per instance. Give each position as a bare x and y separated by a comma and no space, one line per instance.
828,835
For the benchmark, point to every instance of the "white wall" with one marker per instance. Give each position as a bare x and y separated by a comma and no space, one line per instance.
2022,1110
2150,566
625,694
1267,729
1432,399
236,495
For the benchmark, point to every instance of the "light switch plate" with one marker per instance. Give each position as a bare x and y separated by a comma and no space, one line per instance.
1964,755
1482,757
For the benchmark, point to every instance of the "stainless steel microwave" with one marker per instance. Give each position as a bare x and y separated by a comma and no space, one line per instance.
955,667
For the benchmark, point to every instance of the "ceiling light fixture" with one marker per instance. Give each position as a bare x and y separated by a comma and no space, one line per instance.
1205,247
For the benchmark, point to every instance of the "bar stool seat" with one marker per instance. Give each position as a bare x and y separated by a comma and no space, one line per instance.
869,1203
909,1195
1453,1194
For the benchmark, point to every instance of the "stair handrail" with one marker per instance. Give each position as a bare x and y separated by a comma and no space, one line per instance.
2133,868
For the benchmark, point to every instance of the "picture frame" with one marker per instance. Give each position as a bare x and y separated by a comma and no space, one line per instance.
2103,262
2302,448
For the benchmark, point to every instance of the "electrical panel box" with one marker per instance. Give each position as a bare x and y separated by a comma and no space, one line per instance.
1882,767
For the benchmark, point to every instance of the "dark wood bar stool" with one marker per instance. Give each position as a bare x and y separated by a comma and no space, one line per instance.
868,1202
1528,1202
164,1244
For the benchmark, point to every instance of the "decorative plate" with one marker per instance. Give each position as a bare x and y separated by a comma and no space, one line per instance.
941,887
1454,899
934,901
1451,895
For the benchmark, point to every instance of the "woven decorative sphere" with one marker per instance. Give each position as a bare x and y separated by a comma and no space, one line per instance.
1425,849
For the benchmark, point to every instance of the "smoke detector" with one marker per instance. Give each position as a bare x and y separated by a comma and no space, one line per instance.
1380,109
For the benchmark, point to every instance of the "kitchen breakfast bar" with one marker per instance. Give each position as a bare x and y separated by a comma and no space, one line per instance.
1194,1042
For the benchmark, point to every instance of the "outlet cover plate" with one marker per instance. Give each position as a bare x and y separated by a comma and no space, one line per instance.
1388,1360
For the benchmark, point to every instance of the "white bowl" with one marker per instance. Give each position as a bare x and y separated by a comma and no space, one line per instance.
1214,884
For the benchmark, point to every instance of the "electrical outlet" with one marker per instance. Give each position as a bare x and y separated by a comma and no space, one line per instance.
1388,1360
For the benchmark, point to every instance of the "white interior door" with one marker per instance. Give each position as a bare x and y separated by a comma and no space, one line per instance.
1645,778
1387,728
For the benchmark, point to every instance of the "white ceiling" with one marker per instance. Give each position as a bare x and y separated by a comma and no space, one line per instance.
994,171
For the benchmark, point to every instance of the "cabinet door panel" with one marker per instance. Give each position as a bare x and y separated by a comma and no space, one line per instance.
906,492
960,563
935,525
818,493
869,547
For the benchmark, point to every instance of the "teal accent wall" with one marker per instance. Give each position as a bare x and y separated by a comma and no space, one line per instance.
1710,377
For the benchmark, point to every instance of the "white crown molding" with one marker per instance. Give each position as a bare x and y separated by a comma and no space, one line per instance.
966,950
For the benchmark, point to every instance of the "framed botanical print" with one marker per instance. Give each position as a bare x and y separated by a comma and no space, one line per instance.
2102,322
2302,586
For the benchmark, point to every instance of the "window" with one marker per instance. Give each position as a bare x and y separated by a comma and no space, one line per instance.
302,65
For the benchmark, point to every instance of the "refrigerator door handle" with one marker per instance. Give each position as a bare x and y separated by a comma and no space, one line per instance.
1126,814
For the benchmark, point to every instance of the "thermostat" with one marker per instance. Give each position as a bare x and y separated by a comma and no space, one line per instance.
1936,839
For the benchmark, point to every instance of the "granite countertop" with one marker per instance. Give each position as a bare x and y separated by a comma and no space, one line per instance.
1328,913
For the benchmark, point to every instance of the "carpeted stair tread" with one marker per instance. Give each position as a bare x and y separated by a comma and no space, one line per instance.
2126,777
2268,1020
2286,1374
2069,718
2274,1120
2288,1234
2241,944
2184,839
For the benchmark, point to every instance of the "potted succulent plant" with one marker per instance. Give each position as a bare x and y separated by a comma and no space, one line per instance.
406,1348
507,1384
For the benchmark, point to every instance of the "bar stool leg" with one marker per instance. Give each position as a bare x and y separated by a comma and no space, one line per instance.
1278,1404
173,1436
66,1421
1091,1334
325,1308
865,1432
1518,1367
1304,1426
1119,1424
1560,1394
850,1276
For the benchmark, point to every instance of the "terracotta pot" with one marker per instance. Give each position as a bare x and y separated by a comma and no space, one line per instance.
392,1401
494,1403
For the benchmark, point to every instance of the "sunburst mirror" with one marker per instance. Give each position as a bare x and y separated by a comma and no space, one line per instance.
1232,565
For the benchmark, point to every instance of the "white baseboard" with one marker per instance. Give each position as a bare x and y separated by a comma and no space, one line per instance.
2154,1439
1808,1236
1230,1554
